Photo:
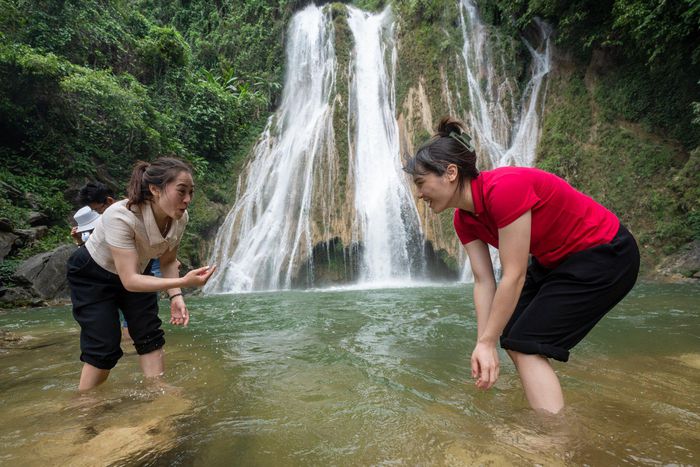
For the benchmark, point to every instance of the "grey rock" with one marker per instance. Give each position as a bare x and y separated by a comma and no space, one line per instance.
37,218
7,242
6,225
18,297
40,231
45,273
683,263
27,235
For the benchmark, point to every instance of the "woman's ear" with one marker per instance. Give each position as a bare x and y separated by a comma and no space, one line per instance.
155,191
451,172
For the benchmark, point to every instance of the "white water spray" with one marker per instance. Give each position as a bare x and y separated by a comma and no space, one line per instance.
504,130
267,235
387,221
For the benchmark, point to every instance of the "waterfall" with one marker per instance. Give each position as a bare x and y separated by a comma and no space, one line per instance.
505,130
387,220
288,204
268,233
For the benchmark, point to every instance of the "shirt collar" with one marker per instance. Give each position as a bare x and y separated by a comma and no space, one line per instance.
154,236
477,187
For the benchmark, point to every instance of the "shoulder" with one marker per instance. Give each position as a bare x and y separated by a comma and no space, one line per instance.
118,212
117,209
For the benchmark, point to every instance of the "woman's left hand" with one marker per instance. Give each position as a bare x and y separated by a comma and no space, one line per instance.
179,315
485,365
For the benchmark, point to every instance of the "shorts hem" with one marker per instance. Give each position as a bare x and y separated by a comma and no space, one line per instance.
535,348
101,364
150,347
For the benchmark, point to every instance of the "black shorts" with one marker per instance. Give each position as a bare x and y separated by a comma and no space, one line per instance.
97,297
559,306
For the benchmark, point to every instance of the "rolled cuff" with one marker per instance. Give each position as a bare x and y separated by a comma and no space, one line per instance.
535,348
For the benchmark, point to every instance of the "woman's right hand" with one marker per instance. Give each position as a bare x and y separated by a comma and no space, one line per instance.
77,238
198,277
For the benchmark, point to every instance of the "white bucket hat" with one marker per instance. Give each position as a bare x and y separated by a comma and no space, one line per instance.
86,218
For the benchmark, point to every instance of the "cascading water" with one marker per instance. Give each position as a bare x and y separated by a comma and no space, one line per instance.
504,130
288,205
267,234
387,221
507,133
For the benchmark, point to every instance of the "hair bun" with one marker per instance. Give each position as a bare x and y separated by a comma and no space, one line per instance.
448,125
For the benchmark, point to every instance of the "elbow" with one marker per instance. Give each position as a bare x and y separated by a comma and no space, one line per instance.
516,278
129,284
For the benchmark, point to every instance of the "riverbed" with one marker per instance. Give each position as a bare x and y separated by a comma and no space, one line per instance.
353,377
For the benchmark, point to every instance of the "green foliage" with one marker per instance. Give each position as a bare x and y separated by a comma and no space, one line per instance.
40,193
659,98
7,270
370,5
651,185
88,87
161,50
56,236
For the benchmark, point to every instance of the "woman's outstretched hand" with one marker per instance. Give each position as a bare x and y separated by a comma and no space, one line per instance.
179,314
485,365
198,277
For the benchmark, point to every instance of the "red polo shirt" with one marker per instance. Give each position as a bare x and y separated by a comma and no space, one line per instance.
564,220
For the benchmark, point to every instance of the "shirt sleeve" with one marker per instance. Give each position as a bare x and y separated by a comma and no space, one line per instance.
118,232
508,198
464,232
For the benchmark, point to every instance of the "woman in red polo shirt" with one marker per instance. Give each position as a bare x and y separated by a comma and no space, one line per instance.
583,260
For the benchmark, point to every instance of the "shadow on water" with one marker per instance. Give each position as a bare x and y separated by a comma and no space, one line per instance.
354,377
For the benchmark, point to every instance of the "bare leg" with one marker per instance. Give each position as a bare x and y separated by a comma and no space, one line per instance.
152,363
540,383
126,337
91,376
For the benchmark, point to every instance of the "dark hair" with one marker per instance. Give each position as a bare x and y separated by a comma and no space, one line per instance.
160,172
94,192
450,145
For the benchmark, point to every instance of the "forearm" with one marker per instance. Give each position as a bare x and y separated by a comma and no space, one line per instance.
143,283
504,301
170,270
483,298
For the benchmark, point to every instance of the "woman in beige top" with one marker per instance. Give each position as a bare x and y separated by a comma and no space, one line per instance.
110,272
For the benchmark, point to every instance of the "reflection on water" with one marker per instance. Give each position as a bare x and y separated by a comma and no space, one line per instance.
354,378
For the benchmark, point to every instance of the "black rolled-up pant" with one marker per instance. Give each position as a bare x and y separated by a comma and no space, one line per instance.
558,307
97,297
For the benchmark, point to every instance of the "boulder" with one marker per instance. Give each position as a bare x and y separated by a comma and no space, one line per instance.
40,231
27,235
19,297
45,273
7,242
37,218
6,225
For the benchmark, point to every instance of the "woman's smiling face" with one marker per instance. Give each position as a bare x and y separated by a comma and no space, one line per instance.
437,190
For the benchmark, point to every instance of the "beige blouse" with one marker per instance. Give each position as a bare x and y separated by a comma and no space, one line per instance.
133,229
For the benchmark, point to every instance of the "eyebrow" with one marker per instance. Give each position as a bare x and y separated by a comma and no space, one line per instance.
185,185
